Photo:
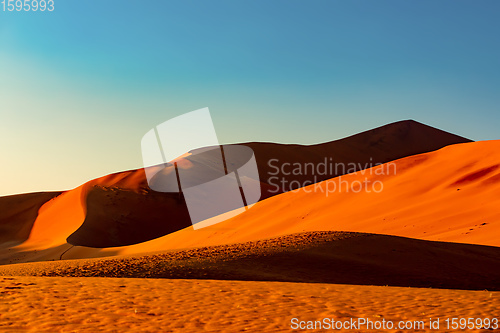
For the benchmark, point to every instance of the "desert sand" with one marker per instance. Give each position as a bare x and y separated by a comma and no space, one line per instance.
198,290
65,304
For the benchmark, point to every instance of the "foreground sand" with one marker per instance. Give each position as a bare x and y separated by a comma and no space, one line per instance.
65,304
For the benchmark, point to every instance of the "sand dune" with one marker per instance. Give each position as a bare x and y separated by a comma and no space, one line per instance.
113,220
379,145
436,196
448,195
120,209
52,304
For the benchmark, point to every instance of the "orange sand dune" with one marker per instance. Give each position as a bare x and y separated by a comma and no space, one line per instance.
448,195
421,201
120,209
18,214
380,145
59,218
114,220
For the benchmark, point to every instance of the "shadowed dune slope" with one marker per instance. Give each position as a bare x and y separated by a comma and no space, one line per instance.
319,257
120,209
379,145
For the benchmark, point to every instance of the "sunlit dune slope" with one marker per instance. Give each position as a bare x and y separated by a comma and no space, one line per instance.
120,209
18,213
115,197
452,194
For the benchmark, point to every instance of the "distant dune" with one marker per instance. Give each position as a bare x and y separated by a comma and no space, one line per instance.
120,209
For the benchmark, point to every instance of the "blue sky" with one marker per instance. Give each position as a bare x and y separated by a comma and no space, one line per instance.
80,86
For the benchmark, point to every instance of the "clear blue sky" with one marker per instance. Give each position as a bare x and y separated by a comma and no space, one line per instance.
80,86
